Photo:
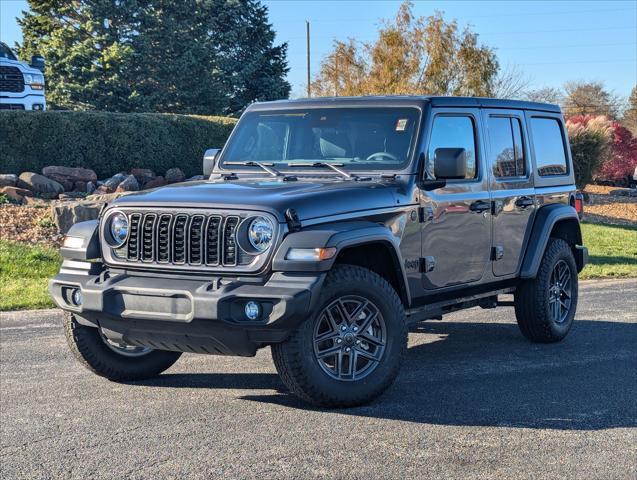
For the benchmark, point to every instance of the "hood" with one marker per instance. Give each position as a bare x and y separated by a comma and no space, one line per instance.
24,67
310,199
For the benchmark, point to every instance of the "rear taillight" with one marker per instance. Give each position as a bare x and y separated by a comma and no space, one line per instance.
579,204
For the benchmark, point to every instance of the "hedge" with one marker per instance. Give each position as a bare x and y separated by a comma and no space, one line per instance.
108,142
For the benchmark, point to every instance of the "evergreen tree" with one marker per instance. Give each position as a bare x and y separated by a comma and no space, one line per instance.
190,56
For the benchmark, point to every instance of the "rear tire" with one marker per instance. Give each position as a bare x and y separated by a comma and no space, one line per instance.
545,306
361,319
90,349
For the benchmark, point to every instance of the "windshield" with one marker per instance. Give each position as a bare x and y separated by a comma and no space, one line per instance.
5,52
355,138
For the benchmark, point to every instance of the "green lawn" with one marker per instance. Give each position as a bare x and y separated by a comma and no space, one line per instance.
612,251
25,269
24,272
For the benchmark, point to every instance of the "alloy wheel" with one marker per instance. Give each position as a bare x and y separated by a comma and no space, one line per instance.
124,348
349,338
560,292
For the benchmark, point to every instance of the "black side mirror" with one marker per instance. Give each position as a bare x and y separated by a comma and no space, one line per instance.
37,61
450,163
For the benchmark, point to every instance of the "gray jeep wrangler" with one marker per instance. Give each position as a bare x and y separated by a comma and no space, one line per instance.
325,228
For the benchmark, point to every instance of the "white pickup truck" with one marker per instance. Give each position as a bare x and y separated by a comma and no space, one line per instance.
21,84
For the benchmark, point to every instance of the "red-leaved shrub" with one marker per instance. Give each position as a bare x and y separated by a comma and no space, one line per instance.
623,160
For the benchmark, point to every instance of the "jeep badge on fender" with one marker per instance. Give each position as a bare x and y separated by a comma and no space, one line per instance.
325,227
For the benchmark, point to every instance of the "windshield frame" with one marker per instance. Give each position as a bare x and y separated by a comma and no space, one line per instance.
287,107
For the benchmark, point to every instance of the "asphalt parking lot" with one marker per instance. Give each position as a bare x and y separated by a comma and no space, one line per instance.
474,400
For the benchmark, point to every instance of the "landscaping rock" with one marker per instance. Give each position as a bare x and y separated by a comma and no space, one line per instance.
15,193
36,202
195,178
39,184
174,175
624,192
69,173
79,186
110,185
105,197
129,184
66,214
143,175
156,182
67,184
72,195
90,187
8,180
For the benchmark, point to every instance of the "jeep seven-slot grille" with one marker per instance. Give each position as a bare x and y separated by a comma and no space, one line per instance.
183,239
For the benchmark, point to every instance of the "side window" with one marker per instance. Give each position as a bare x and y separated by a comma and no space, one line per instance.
454,132
548,143
507,151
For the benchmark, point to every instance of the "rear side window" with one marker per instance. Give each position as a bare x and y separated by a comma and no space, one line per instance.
548,143
454,132
507,152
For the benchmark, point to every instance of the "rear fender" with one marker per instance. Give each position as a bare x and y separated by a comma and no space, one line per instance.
559,220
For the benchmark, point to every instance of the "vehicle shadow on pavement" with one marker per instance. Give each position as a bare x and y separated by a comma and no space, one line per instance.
482,374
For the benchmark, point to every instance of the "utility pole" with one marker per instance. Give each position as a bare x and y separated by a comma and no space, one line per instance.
307,36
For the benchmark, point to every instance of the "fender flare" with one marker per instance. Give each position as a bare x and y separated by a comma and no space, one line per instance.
90,247
339,235
545,220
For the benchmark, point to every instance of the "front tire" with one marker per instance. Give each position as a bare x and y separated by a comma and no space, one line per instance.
351,350
117,363
545,306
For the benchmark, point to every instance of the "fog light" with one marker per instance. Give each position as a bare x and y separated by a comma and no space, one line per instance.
252,310
38,106
77,297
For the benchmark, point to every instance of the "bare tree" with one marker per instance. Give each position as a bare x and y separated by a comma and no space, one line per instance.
511,82
590,98
545,95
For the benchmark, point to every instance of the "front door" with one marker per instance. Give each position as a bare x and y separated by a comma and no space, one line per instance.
456,233
511,187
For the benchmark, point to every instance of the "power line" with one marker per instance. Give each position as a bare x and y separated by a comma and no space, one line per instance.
497,15
516,32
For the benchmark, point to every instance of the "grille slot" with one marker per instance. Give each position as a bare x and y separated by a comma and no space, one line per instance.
11,79
179,239
229,241
163,239
212,241
196,239
133,237
195,244
148,241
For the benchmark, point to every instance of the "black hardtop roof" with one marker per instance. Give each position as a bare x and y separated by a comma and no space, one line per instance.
405,101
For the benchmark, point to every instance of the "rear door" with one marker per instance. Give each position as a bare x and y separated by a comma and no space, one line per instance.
456,233
511,185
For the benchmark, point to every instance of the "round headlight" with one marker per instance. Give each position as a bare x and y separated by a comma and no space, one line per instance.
260,233
119,229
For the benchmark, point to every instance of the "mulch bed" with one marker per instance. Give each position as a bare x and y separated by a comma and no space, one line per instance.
609,209
29,224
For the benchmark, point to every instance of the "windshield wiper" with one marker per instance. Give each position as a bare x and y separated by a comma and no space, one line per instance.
333,166
265,166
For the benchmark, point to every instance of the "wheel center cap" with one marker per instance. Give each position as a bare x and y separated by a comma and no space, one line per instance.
349,339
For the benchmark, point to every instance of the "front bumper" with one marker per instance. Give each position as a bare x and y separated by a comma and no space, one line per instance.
28,101
201,315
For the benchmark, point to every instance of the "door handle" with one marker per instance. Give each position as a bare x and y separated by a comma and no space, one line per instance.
480,206
524,202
